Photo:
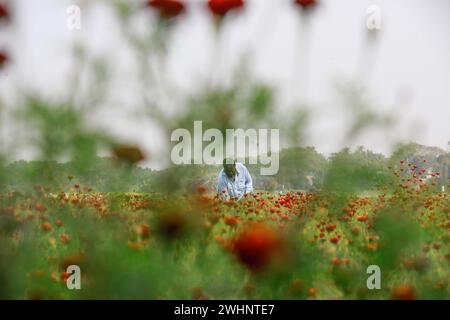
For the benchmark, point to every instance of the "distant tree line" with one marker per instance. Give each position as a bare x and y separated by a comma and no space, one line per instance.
300,168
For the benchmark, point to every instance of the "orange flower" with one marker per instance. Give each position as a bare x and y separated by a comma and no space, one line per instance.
222,7
58,222
143,230
403,292
64,276
372,246
4,12
46,226
167,8
129,154
335,261
334,239
64,238
256,245
40,207
362,218
231,220
201,189
3,58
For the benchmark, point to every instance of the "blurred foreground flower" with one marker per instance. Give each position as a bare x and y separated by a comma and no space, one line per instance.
221,7
172,225
4,12
306,4
3,58
46,226
256,246
403,292
167,8
129,154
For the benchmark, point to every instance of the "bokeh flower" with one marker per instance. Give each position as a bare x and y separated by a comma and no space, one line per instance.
143,230
256,246
46,226
306,4
64,238
403,292
222,7
167,8
4,12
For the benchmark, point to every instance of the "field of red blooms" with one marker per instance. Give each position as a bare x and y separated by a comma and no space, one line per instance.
293,245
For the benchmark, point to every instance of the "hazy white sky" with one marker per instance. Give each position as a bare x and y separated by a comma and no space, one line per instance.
408,69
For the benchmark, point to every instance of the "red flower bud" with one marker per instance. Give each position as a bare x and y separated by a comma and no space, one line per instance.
221,7
167,8
256,245
4,12
306,4
3,58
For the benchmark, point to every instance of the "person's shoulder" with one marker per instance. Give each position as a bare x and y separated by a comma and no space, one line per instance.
240,165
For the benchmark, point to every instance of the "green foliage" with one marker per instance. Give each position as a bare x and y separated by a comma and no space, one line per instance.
351,172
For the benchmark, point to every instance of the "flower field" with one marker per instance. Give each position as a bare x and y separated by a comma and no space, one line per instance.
294,245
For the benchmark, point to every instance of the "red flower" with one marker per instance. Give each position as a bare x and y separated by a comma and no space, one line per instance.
46,226
3,58
221,7
335,261
306,4
362,218
256,245
40,207
167,8
334,239
64,238
312,292
4,12
64,276
143,230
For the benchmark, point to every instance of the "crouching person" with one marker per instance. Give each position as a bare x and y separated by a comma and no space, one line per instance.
234,180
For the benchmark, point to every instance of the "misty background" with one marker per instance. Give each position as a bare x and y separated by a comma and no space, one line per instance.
402,69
